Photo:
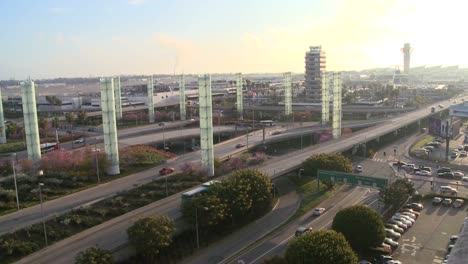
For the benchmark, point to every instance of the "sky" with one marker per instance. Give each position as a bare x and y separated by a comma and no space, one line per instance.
82,38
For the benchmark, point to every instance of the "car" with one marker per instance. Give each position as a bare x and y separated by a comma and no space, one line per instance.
440,140
404,220
408,167
458,175
191,120
447,202
240,145
454,154
318,211
276,133
458,203
162,124
410,211
429,148
406,217
461,147
391,242
399,163
301,230
423,173
398,223
466,146
393,261
454,238
465,179
395,228
358,168
436,200
448,190
462,153
448,175
410,215
435,144
364,262
78,141
383,259
166,170
415,206
444,169
441,106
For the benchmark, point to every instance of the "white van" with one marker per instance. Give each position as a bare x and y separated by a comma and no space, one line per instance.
448,189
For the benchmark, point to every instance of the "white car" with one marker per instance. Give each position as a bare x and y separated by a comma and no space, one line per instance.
458,174
423,173
465,179
461,147
318,211
80,140
358,168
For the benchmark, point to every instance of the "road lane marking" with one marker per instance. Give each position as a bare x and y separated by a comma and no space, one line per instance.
289,238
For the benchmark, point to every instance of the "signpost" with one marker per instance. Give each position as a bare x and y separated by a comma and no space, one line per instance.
348,178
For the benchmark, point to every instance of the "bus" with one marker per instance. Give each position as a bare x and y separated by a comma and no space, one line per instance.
198,190
194,192
268,122
46,147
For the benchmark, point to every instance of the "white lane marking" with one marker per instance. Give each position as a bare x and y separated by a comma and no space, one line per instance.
287,239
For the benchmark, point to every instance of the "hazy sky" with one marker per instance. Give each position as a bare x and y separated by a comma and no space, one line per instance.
46,38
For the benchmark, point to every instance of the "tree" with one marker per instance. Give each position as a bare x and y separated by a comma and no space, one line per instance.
397,193
362,227
211,210
150,235
324,246
70,117
94,255
333,162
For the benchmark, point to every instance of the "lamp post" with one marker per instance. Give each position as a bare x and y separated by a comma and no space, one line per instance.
42,213
97,165
196,224
13,160
164,138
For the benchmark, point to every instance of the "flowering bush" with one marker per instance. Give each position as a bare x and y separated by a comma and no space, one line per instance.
140,155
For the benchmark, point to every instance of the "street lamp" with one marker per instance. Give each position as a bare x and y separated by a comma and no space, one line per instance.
42,213
13,159
196,224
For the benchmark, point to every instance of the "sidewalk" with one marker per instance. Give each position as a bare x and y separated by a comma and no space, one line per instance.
287,205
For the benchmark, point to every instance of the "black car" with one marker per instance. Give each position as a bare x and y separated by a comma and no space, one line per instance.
444,169
447,175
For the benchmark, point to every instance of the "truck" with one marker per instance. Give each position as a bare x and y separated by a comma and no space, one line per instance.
432,109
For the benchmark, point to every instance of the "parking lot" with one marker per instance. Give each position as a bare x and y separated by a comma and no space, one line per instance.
427,240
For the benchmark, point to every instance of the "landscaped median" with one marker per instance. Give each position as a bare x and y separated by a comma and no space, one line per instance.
67,171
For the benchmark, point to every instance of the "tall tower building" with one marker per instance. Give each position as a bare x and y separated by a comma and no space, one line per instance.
315,62
406,50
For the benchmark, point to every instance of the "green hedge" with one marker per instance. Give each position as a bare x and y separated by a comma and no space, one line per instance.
12,147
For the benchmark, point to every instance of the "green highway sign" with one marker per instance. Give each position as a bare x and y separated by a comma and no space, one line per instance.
349,178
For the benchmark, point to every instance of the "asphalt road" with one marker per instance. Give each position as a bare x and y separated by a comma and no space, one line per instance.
426,242
112,234
276,243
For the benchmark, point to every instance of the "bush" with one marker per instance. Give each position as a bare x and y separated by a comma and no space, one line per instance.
331,162
94,255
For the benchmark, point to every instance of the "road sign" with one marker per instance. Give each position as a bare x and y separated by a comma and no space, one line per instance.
353,179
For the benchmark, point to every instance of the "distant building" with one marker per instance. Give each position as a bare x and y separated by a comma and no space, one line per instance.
315,63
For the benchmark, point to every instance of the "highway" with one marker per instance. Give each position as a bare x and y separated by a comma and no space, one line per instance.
277,242
274,167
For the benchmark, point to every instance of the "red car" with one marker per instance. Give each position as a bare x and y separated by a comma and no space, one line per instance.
165,171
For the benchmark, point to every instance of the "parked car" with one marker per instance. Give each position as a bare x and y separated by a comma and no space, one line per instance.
392,234
465,179
301,230
463,153
461,147
409,218
393,261
436,200
434,144
404,220
398,223
318,211
466,146
447,202
454,154
410,211
391,242
395,228
415,206
410,215
399,163
458,203
429,148
166,170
